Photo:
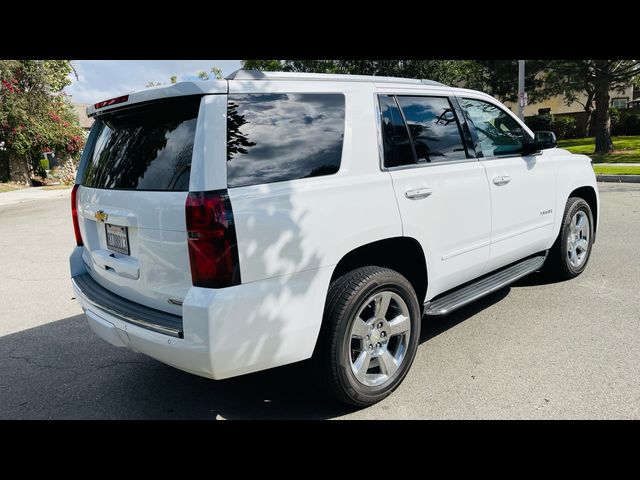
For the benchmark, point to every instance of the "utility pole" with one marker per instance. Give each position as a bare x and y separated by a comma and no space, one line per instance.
522,95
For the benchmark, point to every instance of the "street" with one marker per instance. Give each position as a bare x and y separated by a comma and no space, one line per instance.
530,351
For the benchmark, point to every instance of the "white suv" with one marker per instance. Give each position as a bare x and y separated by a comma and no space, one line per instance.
231,226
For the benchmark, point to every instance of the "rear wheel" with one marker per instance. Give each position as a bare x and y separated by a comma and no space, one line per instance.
570,254
370,335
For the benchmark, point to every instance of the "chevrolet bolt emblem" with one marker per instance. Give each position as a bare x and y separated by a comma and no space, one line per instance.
100,215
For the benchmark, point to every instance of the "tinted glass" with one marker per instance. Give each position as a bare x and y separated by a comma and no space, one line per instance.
434,129
397,146
278,137
498,133
145,147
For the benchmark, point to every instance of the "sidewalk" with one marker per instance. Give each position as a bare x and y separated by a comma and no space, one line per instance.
30,195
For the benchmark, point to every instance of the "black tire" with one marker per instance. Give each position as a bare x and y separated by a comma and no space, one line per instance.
557,265
331,359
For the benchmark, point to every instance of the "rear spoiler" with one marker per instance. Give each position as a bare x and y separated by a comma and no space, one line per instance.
158,93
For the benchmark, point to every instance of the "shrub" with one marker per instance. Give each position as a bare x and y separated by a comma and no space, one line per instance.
540,123
630,121
617,128
564,127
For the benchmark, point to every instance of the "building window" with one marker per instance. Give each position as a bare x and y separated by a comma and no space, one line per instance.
620,102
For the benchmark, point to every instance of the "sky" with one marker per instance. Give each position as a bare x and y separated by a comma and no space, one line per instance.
104,79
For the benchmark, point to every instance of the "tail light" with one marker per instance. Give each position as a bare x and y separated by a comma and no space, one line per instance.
213,248
74,215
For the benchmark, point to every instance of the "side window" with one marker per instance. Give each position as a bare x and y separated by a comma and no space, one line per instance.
277,137
498,133
397,145
434,128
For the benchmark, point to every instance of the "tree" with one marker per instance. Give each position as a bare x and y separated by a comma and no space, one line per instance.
35,114
594,78
499,78
217,74
445,71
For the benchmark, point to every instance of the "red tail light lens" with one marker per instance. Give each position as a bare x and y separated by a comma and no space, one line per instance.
74,215
112,101
213,248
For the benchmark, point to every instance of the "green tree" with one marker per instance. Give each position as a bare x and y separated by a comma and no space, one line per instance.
499,78
215,71
445,71
35,114
594,78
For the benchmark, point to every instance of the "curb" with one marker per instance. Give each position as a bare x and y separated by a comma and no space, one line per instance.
618,178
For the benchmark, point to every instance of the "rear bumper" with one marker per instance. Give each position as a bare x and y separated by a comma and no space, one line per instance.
225,332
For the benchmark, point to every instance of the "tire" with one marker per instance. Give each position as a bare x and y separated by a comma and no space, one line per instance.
561,264
354,334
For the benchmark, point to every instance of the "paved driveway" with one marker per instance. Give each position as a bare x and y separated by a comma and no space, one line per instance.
534,350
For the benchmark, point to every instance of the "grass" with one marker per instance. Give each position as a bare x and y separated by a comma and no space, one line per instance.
62,186
626,149
618,169
10,187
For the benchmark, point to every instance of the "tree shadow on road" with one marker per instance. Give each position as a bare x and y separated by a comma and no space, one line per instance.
61,370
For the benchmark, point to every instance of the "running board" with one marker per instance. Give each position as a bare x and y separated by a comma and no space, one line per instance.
463,296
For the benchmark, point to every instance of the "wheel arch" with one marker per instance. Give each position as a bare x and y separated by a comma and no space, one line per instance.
588,194
402,254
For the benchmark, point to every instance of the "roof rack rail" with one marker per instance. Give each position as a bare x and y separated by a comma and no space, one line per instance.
243,74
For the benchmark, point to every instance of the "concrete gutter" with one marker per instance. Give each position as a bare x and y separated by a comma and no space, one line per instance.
618,178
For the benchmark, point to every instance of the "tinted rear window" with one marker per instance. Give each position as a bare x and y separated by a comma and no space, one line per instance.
279,137
145,147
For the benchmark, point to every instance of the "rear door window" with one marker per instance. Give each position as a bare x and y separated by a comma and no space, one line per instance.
144,147
277,137
434,129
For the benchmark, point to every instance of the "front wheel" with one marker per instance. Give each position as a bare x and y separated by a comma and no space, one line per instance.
569,255
370,334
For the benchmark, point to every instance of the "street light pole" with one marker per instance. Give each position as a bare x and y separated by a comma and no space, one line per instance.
522,96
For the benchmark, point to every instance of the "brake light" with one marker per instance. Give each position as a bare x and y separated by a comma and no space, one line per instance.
213,248
74,215
112,101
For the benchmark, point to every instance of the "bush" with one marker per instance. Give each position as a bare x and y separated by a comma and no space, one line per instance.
630,121
617,128
539,123
564,127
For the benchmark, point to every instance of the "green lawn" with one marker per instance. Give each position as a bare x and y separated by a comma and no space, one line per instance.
626,149
618,169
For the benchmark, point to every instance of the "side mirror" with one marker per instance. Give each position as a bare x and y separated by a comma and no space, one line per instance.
541,141
545,140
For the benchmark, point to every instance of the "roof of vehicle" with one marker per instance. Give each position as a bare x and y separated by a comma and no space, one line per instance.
328,77
222,86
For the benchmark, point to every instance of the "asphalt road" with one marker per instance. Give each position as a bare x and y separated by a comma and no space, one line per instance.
533,350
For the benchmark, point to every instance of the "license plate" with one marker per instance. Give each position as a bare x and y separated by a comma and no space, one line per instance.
117,238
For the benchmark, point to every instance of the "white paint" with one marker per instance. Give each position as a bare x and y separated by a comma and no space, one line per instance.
292,234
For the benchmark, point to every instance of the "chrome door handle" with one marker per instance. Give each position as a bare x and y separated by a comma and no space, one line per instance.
501,180
418,193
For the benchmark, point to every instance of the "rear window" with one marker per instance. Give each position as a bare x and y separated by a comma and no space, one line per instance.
146,147
279,137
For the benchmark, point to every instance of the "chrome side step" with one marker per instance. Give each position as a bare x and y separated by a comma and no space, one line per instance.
495,281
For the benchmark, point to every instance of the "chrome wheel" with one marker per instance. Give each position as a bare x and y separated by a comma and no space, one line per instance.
379,338
578,239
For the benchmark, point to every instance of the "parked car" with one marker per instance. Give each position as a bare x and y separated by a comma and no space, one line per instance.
229,226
